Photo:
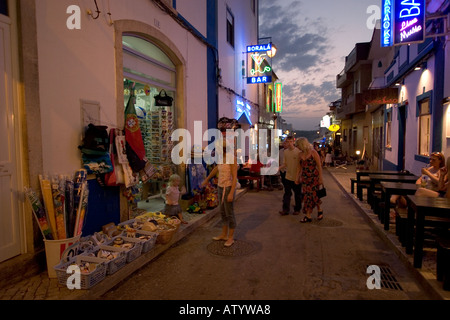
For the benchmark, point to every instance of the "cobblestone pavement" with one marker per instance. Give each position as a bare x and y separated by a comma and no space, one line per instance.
427,274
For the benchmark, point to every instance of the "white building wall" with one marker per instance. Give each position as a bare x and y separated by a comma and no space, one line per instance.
194,11
80,64
246,33
415,84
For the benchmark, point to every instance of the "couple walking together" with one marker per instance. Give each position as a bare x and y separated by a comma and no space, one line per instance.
301,173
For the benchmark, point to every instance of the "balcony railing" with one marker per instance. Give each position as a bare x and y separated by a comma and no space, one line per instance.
343,79
353,104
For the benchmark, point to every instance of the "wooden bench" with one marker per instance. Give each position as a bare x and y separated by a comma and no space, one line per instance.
376,196
401,220
352,186
443,261
362,184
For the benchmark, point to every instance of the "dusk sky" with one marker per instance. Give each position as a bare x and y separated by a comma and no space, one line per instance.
313,38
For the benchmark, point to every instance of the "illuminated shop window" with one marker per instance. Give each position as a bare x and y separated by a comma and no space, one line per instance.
388,129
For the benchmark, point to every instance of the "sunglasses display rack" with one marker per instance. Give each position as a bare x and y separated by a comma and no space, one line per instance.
158,135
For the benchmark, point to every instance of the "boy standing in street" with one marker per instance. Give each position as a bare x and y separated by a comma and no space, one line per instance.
291,164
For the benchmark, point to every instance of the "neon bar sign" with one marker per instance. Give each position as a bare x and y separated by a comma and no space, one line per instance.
258,48
409,21
261,73
386,23
278,97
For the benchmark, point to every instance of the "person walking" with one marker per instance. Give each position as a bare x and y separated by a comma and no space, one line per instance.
282,171
291,165
226,188
309,175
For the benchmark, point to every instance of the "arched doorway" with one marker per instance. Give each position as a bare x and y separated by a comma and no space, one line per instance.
148,62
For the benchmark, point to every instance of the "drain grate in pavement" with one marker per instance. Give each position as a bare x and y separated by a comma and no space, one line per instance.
327,222
238,249
388,279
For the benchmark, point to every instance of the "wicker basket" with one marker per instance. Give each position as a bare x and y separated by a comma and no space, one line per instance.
164,236
174,221
87,280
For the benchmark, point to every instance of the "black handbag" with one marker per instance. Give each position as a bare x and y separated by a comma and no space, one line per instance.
322,192
163,100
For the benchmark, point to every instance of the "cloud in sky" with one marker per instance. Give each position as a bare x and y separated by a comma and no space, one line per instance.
313,38
299,45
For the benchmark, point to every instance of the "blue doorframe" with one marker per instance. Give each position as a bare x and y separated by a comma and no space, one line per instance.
401,137
213,64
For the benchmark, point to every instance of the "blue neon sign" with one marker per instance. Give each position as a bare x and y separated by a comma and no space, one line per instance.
243,110
409,23
387,23
255,80
259,48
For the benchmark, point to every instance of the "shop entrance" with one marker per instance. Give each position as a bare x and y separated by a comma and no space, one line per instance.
148,71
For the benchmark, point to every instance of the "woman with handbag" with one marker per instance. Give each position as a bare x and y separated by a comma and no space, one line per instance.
310,176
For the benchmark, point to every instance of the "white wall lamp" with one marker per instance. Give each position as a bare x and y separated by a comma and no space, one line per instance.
422,66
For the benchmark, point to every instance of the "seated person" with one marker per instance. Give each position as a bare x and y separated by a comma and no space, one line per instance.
435,187
433,182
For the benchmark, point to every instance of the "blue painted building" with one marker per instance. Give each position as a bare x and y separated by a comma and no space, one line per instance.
417,125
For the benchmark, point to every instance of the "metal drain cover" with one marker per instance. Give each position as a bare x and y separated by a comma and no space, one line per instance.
238,249
388,279
327,222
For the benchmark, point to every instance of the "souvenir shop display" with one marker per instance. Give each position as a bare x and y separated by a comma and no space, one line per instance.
62,213
95,150
114,258
149,160
39,213
92,271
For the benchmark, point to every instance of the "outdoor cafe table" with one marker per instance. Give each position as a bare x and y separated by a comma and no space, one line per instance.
365,173
390,188
377,178
418,209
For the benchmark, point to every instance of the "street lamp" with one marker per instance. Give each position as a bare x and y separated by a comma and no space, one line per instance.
272,52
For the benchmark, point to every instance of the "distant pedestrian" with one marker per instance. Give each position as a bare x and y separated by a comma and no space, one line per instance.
328,159
283,146
291,165
310,177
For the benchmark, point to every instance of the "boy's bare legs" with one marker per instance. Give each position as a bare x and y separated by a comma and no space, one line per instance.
230,240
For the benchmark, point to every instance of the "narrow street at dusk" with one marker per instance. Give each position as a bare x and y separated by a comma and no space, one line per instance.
275,258
127,126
